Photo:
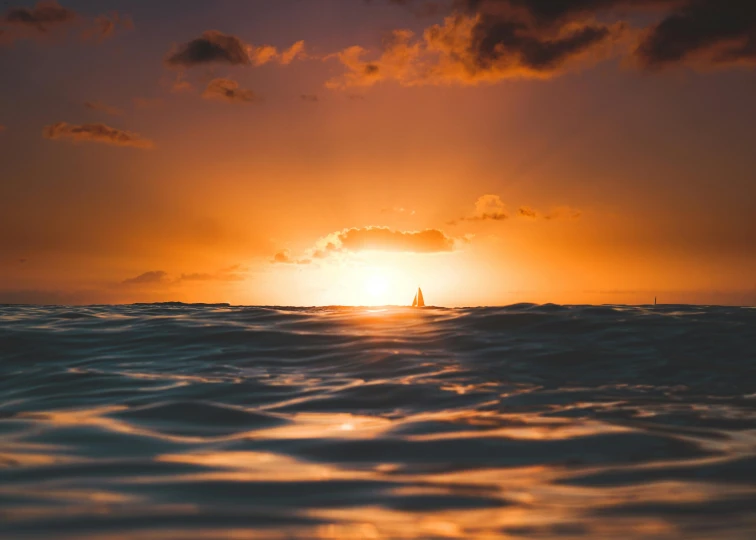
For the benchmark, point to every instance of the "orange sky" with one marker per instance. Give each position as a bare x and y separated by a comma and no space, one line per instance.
343,152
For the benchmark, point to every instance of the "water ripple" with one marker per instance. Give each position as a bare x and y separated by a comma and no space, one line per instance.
173,421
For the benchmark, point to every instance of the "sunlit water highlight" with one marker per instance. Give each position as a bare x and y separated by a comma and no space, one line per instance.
188,421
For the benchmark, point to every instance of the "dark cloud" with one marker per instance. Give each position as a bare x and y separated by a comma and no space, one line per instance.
43,17
155,277
229,90
217,47
547,12
95,133
385,239
490,40
496,39
703,33
211,47
421,8
103,107
312,98
471,49
526,211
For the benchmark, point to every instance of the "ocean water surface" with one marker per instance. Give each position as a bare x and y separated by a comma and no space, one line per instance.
172,421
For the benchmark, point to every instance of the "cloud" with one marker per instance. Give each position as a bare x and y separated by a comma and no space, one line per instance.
702,33
154,277
43,17
488,207
359,239
484,41
104,26
284,257
102,107
180,85
216,47
48,17
472,48
385,239
159,277
421,8
95,133
312,98
292,53
229,90
232,273
211,47
492,208
564,212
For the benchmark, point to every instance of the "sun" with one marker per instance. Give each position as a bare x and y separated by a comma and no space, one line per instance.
376,285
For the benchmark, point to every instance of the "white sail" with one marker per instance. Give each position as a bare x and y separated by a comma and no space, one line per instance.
414,302
419,298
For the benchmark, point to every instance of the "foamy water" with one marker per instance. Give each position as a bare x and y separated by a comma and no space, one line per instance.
187,421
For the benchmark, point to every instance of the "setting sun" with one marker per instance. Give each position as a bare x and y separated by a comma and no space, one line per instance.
376,285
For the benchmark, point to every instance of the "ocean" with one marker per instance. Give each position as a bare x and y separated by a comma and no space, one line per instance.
176,421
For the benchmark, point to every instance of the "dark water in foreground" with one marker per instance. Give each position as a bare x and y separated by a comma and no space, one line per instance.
184,421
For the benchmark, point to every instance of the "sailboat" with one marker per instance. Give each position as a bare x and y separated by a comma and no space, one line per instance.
418,301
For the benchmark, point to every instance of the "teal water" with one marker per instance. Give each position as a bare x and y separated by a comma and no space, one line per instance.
212,421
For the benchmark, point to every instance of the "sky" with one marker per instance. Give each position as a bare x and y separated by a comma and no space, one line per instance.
323,152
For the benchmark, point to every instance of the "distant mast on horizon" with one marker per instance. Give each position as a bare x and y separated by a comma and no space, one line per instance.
418,301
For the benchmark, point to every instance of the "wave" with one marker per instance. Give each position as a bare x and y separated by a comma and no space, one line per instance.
527,421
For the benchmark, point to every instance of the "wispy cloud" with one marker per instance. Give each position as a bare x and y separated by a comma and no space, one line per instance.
563,212
491,208
153,277
229,90
232,273
47,18
99,133
43,17
162,278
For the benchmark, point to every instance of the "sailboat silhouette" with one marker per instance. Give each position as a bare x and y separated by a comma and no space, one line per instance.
418,301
